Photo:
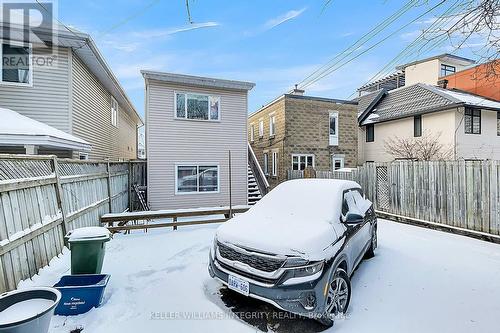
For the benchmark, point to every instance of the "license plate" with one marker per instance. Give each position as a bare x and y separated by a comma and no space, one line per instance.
239,285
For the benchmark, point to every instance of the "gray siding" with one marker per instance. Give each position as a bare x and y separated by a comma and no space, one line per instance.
48,98
91,117
173,141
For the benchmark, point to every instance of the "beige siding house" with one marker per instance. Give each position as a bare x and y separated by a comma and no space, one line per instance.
466,126
192,123
72,89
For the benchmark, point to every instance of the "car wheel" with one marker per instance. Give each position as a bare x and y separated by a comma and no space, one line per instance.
370,253
337,298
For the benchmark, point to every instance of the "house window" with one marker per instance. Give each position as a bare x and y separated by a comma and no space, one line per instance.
16,66
272,125
417,126
447,70
301,161
334,129
370,133
114,112
266,164
498,123
252,132
337,163
197,106
275,164
83,156
261,128
197,178
472,121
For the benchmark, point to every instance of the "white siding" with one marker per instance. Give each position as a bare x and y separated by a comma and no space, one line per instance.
48,99
174,141
91,117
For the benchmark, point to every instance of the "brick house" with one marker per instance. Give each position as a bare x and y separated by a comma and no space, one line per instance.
295,131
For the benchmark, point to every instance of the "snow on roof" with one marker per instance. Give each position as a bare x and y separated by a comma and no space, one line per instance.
16,129
468,98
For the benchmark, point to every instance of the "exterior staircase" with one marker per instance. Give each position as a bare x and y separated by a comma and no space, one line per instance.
258,185
254,194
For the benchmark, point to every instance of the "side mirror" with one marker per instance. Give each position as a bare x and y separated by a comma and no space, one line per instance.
353,218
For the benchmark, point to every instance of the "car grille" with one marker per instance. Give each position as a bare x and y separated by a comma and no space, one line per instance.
257,262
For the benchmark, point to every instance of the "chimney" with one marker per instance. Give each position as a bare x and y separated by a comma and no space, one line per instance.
443,83
297,91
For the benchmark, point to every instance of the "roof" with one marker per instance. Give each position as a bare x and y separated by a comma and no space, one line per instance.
389,80
366,102
444,57
19,130
197,80
419,99
85,48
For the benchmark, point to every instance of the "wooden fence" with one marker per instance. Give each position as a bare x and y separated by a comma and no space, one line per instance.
42,198
462,194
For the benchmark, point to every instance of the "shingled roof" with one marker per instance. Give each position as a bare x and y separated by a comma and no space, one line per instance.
420,99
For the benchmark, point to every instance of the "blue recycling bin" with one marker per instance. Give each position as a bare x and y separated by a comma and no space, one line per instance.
80,293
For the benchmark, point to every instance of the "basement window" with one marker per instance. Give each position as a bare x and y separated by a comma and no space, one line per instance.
16,66
301,161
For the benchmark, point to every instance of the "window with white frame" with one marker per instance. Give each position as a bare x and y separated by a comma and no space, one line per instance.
197,106
114,112
334,129
301,161
266,164
274,170
197,178
83,156
272,125
337,162
16,66
261,128
252,129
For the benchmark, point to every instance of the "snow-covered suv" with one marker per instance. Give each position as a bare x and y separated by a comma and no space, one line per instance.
298,246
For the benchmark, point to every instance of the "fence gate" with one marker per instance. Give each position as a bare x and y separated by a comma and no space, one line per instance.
382,189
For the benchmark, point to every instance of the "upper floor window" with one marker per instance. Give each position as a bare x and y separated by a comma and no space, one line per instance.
114,112
417,126
261,128
197,106
447,70
272,125
370,133
334,129
301,161
252,129
16,66
472,121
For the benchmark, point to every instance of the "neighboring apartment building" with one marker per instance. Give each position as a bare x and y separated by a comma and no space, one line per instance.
296,131
466,126
71,89
192,123
483,80
428,70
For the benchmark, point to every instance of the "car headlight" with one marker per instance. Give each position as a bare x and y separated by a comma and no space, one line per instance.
308,270
295,262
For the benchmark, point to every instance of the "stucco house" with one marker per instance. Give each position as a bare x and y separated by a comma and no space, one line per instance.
192,124
467,126
67,86
296,131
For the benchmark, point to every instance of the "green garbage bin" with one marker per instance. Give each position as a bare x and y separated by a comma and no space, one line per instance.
87,247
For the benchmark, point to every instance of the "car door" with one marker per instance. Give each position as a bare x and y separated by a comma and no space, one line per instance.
359,233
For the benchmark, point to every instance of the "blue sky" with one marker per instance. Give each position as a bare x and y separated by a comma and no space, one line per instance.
271,43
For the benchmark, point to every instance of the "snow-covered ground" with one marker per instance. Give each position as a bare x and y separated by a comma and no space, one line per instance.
420,281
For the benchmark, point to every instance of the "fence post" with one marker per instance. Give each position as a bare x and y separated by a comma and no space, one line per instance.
109,188
130,168
59,198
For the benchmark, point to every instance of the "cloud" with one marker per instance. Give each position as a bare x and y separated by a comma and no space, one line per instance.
290,15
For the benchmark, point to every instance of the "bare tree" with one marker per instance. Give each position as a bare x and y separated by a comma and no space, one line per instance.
424,148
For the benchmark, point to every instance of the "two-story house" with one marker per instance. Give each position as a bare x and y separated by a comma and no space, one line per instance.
295,131
196,141
67,86
460,124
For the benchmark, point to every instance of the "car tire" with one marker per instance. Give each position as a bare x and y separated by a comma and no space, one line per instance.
370,253
339,291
